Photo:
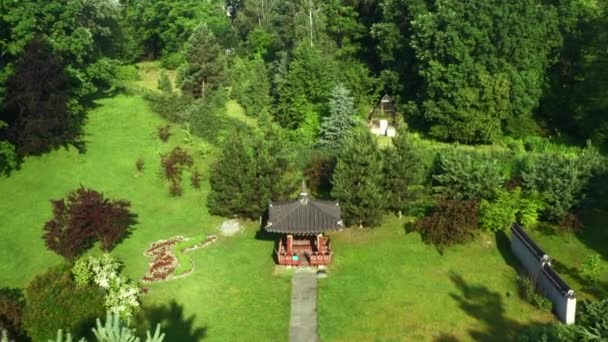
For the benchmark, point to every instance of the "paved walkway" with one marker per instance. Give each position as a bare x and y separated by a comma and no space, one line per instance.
303,324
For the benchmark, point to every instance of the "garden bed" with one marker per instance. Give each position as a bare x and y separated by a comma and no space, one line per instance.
169,259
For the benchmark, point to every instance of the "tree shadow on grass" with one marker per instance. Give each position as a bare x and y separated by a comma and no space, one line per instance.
487,307
503,244
174,324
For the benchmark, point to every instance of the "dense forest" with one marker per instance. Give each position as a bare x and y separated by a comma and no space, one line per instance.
471,72
502,114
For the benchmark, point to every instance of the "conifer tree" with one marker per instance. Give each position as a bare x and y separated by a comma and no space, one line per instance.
357,180
205,67
341,119
164,83
402,168
233,179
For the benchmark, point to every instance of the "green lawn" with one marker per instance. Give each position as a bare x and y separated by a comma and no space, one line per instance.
233,276
397,288
384,284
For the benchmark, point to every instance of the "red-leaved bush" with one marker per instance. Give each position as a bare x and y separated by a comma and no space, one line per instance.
173,163
450,222
83,217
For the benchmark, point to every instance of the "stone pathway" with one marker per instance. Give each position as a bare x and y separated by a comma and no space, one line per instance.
303,326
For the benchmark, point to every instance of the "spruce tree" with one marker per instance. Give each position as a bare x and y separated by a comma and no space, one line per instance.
357,180
341,119
233,179
402,169
164,83
205,67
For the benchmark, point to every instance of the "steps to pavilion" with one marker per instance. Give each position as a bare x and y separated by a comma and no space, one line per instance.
303,326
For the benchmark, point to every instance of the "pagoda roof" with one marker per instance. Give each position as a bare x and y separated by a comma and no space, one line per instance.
304,216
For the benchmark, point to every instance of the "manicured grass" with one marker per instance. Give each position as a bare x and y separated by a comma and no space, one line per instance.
385,285
233,276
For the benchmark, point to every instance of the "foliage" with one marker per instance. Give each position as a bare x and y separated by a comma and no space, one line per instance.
468,174
114,329
402,172
205,67
477,69
591,325
37,111
121,297
318,172
164,83
85,215
12,305
507,208
173,163
250,172
139,164
450,222
308,82
528,291
195,179
341,120
591,267
54,301
560,178
357,180
164,132
250,85
169,106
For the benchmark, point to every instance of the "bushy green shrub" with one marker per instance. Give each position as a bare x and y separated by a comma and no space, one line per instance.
561,178
11,312
450,222
172,61
250,85
507,208
54,301
170,106
468,174
527,290
164,83
591,267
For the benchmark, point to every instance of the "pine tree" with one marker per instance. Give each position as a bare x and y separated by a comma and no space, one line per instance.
402,168
233,179
164,83
250,85
205,68
341,119
357,180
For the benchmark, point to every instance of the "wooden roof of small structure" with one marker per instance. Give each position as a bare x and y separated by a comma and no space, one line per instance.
385,106
304,216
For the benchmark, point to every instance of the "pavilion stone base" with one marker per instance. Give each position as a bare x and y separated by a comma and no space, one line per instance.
304,251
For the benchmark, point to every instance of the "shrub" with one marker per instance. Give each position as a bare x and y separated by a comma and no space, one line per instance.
571,222
468,175
53,301
508,208
164,83
85,215
164,132
591,267
450,222
195,179
172,60
121,296
170,106
318,172
560,177
527,290
139,164
173,163
11,312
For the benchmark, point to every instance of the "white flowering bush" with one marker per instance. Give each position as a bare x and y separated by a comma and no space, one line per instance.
121,297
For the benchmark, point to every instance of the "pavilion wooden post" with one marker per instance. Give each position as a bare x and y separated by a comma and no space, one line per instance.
289,243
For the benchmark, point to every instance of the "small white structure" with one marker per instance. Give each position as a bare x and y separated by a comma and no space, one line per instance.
230,227
382,118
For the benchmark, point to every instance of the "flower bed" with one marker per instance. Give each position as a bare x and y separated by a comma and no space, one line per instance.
169,259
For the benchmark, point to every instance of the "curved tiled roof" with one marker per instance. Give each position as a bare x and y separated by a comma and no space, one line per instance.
303,216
